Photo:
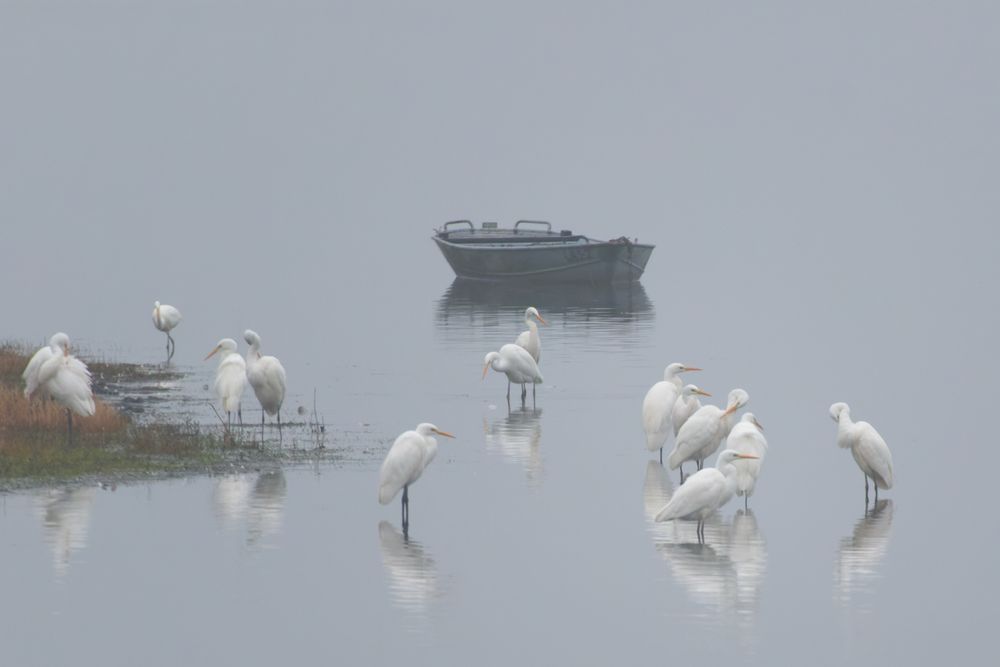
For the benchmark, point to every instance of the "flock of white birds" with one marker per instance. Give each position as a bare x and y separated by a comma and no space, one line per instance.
55,373
669,409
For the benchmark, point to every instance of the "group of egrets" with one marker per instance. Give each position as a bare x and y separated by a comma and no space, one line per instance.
669,408
54,372
413,450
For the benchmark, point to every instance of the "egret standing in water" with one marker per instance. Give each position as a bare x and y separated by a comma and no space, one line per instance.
166,318
704,492
409,455
529,339
747,437
869,449
230,378
702,434
658,406
517,364
60,375
267,377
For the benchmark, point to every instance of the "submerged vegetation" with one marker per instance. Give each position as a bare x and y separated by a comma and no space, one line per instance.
34,445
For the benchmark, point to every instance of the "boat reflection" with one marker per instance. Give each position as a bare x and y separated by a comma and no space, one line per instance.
65,516
723,574
413,578
517,438
614,310
256,502
862,552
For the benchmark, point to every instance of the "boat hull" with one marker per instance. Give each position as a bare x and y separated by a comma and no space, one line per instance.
615,262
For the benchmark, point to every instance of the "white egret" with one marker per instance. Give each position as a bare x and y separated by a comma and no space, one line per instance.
685,406
230,378
704,492
409,455
517,364
869,449
267,377
529,339
30,374
63,377
166,318
747,437
702,434
658,406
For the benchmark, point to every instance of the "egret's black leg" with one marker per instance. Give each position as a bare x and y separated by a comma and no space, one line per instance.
279,427
508,390
746,499
866,490
875,484
239,413
661,455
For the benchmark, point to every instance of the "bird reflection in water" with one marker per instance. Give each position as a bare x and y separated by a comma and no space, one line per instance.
862,552
65,515
517,438
726,571
413,579
258,503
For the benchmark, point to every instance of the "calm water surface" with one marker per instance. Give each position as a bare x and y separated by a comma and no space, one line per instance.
531,536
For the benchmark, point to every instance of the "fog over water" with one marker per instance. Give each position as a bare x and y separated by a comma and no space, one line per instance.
819,183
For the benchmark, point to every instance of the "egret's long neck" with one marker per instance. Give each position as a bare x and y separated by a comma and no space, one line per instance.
430,446
159,322
253,354
845,428
498,364
532,327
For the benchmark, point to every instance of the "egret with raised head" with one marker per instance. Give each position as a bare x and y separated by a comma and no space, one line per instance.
658,406
409,455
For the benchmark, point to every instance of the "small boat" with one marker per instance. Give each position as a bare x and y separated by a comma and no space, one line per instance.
532,252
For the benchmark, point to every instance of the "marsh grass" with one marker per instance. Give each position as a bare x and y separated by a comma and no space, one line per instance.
33,440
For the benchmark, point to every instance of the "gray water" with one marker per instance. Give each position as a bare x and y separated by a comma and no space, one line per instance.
818,184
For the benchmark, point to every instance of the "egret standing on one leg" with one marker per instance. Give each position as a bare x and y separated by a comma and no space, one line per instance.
704,492
702,434
869,449
409,455
166,318
230,377
658,406
66,379
747,437
267,377
517,364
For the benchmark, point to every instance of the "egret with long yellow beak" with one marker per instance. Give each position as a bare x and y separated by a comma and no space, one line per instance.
404,464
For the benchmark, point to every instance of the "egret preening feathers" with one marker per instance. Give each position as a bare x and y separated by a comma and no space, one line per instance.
166,318
658,406
267,377
230,377
517,364
867,446
54,372
704,492
409,455
702,434
529,339
747,437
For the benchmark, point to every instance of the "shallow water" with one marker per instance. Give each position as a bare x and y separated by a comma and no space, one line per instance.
531,536
820,186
